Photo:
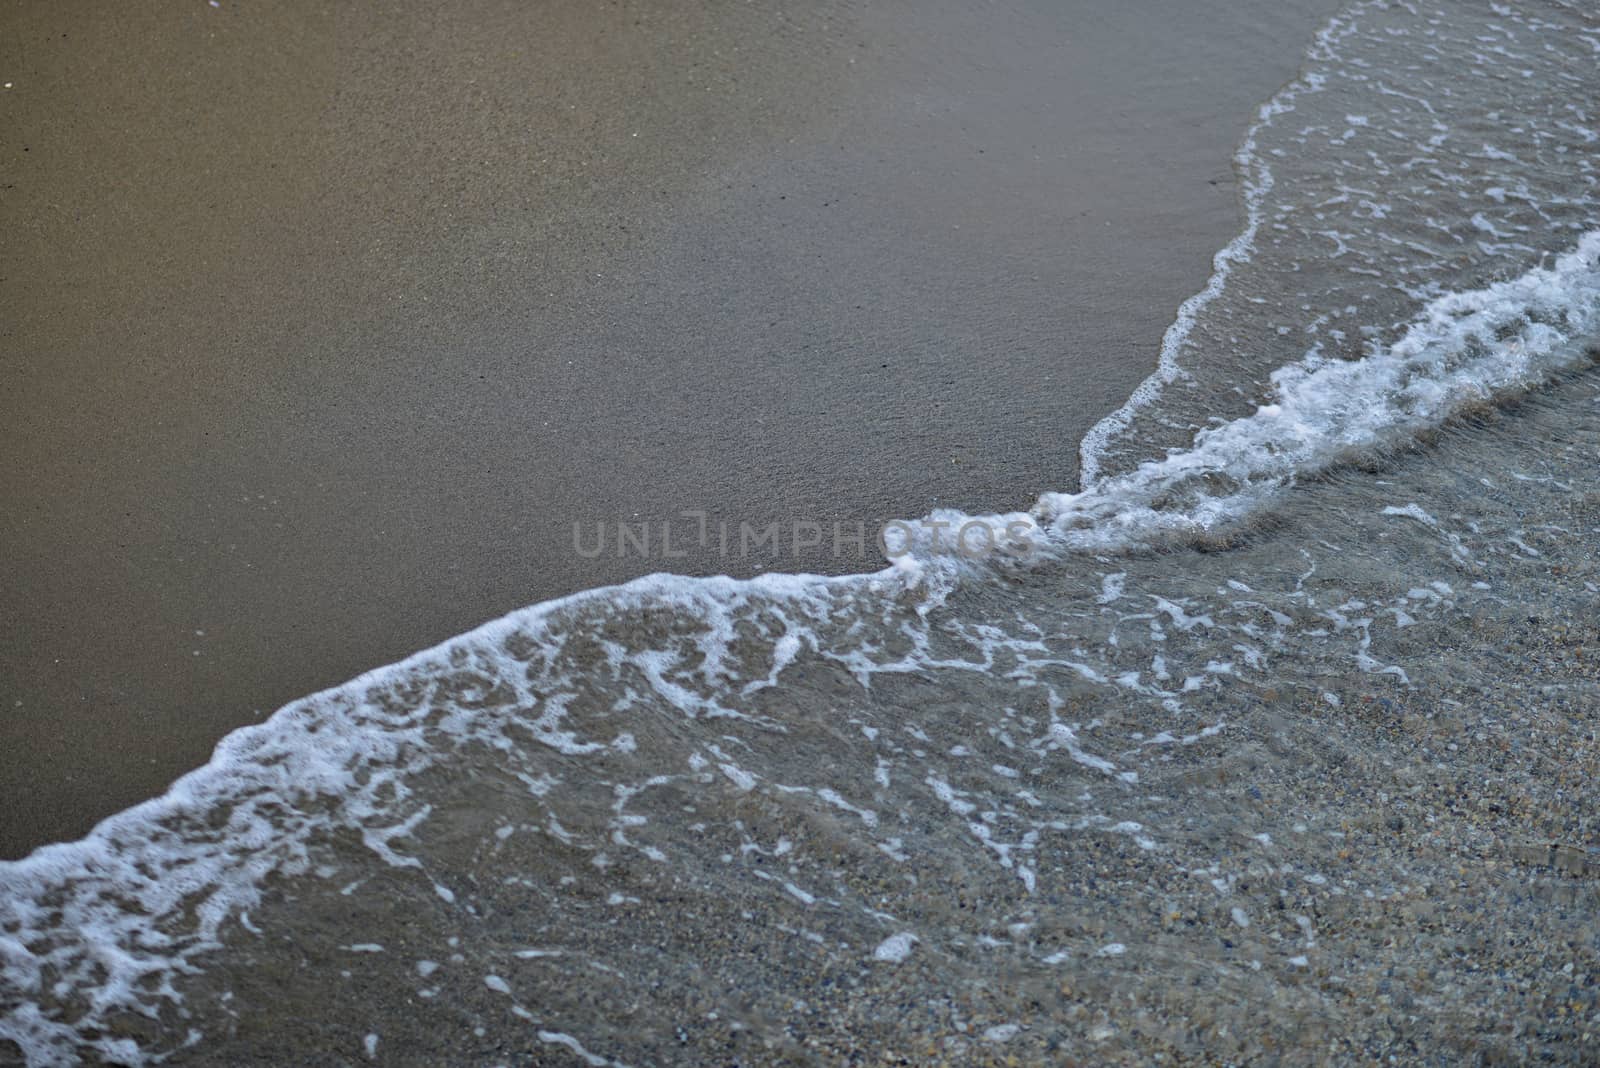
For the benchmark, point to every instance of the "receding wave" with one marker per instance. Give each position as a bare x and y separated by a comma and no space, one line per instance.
1424,150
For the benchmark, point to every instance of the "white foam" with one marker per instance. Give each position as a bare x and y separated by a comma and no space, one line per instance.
895,948
561,1038
1464,348
1257,182
1411,511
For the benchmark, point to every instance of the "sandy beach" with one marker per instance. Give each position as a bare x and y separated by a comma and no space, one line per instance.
323,329
1259,725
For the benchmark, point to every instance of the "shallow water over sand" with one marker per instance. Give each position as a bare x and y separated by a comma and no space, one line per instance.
1329,790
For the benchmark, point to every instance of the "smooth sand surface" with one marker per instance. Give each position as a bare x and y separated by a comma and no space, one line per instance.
321,329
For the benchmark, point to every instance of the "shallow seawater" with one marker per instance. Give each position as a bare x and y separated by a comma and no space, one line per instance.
1277,742
1331,789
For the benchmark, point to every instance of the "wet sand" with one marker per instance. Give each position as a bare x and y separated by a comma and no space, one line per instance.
321,331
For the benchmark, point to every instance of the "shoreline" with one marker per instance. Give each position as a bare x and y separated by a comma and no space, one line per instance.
943,220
